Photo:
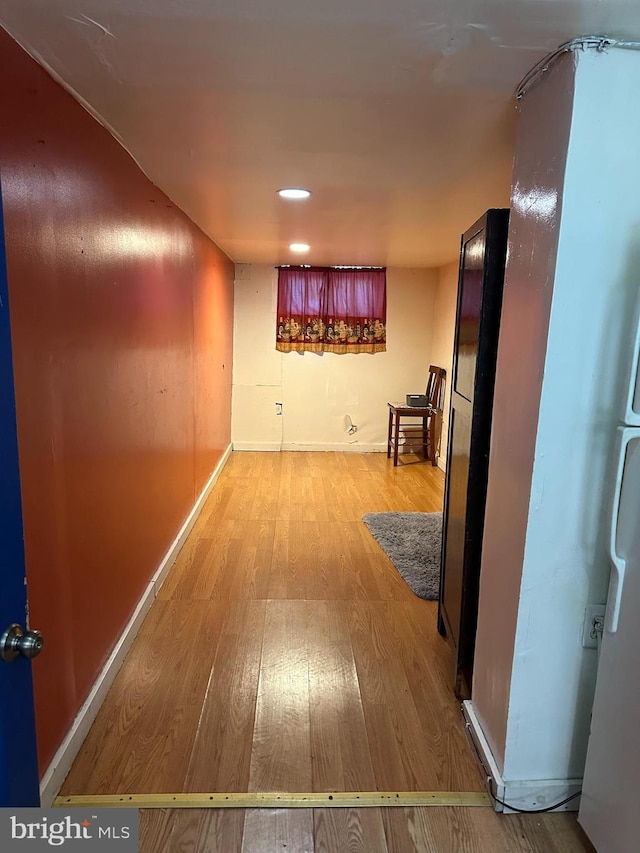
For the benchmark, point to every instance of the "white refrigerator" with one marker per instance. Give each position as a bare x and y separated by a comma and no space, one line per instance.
610,803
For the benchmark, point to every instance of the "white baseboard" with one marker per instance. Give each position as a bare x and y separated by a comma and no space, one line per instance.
60,765
340,447
271,446
521,794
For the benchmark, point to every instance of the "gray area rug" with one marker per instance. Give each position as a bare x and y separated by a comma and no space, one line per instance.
412,541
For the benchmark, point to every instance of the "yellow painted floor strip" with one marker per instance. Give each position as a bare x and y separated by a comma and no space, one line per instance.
338,799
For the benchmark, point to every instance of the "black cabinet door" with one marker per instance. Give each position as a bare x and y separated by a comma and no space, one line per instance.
480,282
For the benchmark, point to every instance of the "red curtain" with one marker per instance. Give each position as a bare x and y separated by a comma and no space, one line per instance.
331,310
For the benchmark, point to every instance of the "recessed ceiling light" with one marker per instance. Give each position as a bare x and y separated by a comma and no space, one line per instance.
299,247
293,192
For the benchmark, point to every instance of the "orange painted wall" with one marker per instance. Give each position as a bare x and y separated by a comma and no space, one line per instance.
534,228
122,317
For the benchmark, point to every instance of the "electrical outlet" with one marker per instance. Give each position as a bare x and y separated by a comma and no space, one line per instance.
593,625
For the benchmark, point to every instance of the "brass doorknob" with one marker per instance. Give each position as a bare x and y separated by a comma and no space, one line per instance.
16,642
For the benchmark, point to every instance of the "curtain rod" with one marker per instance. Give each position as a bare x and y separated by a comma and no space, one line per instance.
318,269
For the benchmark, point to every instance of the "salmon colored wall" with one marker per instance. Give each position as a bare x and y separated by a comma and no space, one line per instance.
536,203
122,315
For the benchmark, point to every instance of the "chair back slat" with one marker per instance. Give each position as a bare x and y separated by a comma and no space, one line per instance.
435,386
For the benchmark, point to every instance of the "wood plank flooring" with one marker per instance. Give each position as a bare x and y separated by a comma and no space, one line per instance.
372,830
285,653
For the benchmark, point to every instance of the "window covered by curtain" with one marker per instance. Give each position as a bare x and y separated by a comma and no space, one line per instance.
331,310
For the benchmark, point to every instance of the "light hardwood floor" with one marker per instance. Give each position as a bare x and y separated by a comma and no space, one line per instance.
388,830
284,653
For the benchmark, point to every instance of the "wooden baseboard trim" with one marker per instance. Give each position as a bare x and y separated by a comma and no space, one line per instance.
314,800
60,765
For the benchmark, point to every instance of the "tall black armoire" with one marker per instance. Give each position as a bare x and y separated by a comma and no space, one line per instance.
480,282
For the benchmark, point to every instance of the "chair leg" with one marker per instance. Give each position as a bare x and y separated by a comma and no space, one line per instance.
396,439
433,430
425,438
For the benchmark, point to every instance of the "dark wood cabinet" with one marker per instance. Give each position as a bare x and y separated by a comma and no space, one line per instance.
480,283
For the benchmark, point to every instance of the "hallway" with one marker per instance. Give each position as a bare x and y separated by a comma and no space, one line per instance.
284,653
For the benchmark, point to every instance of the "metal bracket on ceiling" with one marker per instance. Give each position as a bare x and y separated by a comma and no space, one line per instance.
599,43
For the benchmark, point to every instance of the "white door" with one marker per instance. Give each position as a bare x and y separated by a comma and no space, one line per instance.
609,809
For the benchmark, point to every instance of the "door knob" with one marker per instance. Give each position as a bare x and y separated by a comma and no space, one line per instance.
16,642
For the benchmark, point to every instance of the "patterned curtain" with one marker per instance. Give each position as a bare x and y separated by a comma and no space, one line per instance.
331,310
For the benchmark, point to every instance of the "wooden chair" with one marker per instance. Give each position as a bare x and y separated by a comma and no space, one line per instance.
412,434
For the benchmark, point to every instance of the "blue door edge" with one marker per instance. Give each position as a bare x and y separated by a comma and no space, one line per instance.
19,781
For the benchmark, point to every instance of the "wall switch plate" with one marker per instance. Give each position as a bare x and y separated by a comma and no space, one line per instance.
593,625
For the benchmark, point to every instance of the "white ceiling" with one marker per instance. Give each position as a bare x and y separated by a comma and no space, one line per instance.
398,114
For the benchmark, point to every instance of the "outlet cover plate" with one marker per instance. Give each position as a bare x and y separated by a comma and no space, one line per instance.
589,635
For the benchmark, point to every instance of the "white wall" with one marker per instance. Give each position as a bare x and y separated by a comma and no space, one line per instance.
318,391
257,366
539,722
